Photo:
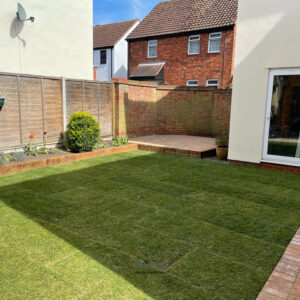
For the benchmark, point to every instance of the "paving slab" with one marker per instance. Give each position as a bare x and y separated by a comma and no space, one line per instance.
284,282
195,146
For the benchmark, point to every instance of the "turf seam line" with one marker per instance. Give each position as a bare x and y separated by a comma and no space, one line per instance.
174,214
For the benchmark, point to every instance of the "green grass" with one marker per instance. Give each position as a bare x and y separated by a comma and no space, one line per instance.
206,230
282,148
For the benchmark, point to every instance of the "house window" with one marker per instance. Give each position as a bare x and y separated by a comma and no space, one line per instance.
194,45
103,57
192,82
152,49
212,82
214,45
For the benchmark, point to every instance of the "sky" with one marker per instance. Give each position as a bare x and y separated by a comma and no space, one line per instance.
111,11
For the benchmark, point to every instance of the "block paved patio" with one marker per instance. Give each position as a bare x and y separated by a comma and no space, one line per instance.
284,282
194,146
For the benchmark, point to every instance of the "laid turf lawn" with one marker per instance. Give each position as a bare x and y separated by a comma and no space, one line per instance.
140,225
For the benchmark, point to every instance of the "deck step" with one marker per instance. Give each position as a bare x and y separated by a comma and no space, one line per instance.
209,152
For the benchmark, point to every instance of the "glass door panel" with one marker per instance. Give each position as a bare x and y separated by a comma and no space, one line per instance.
284,118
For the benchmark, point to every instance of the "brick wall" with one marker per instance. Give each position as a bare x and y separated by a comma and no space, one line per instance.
34,104
181,67
146,108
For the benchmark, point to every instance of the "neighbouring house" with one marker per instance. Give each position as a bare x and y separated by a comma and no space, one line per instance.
58,42
185,42
265,115
111,50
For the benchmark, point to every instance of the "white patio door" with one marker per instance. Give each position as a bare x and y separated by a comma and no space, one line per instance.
282,128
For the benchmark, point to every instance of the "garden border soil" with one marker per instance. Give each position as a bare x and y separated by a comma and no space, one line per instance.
58,160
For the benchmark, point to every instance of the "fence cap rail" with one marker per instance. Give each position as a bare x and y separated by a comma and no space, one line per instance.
51,77
167,87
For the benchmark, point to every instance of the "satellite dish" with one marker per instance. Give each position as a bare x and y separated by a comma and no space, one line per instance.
21,13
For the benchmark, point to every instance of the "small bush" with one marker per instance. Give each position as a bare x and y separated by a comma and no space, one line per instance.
82,133
16,156
222,139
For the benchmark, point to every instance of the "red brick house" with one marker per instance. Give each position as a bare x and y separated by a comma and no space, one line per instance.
185,42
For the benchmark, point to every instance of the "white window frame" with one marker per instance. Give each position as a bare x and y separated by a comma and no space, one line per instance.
188,82
154,44
192,40
212,85
293,161
211,39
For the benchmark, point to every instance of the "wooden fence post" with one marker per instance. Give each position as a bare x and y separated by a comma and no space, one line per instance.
64,103
43,104
20,113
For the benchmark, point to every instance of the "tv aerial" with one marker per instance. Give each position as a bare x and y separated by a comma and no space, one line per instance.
21,14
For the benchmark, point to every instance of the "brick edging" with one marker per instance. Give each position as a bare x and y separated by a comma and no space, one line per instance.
169,150
284,282
268,166
57,160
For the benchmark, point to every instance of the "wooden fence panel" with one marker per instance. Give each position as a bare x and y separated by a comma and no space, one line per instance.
74,97
91,99
53,113
31,109
33,104
9,116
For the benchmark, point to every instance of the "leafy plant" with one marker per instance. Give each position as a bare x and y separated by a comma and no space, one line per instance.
222,140
125,139
103,145
82,133
31,149
2,159
44,149
16,156
117,142
120,140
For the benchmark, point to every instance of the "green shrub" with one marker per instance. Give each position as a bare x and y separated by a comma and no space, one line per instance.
222,139
82,133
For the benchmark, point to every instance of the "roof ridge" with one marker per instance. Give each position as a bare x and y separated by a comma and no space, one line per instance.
99,25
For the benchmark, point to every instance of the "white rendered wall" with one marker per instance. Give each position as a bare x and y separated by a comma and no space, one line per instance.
58,43
267,38
120,56
103,70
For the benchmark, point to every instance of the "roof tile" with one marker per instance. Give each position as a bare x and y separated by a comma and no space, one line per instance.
179,16
147,70
108,35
